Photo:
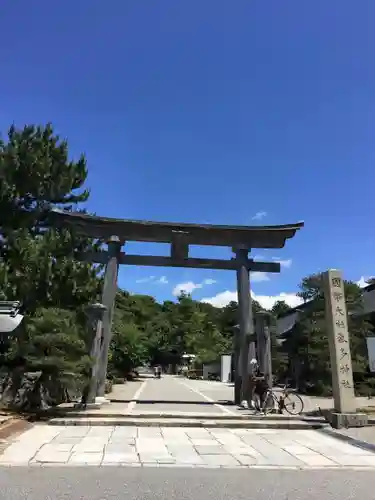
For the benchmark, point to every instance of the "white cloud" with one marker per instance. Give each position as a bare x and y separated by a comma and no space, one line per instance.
209,282
190,286
221,299
257,277
187,287
266,301
145,280
260,215
163,280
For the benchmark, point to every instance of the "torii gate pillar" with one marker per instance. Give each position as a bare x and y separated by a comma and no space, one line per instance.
108,300
246,326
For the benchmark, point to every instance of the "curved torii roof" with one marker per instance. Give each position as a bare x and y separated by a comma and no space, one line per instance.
167,232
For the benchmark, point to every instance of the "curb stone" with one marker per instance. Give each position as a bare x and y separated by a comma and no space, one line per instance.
358,443
305,468
186,416
246,424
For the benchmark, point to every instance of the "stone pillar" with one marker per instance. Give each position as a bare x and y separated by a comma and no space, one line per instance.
95,314
339,345
108,300
236,363
262,327
245,318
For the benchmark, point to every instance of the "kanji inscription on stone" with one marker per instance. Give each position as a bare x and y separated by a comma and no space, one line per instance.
346,383
337,296
344,368
341,338
343,353
339,311
339,345
336,282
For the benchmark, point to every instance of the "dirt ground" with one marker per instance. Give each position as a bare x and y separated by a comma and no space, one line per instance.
10,428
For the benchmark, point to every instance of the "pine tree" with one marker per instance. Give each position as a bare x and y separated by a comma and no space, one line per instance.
38,263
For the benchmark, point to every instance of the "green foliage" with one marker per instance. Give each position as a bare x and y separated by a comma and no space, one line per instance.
160,334
36,173
37,264
52,344
34,270
55,344
128,348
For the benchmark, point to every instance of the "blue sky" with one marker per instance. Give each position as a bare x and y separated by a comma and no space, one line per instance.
210,111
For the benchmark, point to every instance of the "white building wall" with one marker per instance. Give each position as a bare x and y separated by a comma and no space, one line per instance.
226,368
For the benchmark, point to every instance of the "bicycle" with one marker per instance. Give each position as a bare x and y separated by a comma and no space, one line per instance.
288,400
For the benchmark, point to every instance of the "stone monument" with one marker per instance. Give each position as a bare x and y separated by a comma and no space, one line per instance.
344,414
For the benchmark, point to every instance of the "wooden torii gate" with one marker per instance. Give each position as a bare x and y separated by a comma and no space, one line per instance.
117,232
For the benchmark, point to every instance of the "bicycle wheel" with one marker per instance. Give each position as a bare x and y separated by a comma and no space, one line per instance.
269,403
293,403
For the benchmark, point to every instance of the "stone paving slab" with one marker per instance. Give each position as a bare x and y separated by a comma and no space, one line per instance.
125,392
183,447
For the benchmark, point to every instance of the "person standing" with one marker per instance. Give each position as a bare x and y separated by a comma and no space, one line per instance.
249,401
257,384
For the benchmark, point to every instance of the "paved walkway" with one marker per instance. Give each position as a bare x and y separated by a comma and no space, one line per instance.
180,446
221,392
183,447
171,395
178,395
